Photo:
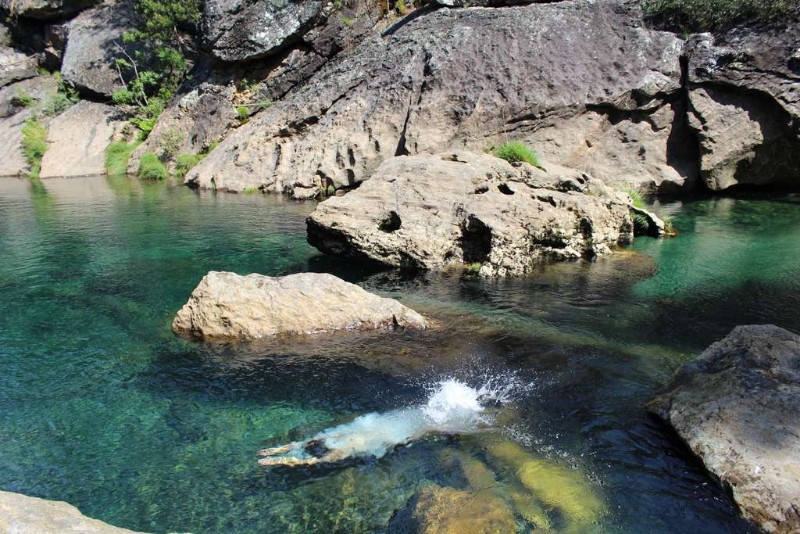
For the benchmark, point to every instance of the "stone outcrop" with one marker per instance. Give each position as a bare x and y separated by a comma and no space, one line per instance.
229,306
15,66
46,9
78,138
238,30
20,514
449,78
745,106
738,408
459,208
13,115
94,41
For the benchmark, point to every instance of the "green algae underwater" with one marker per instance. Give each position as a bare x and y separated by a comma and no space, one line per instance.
101,406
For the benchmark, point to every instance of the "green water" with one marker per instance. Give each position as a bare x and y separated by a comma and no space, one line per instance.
102,407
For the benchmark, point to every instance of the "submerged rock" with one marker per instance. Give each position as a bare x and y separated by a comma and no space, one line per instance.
738,408
440,510
21,514
458,208
227,305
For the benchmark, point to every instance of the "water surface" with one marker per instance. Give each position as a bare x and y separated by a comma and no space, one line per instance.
102,407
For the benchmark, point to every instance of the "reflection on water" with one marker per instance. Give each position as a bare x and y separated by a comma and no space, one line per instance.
102,407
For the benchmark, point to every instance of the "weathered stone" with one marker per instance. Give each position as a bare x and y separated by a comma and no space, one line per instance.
738,408
94,41
46,9
78,138
13,117
20,514
428,212
237,30
440,510
229,306
15,66
447,79
744,91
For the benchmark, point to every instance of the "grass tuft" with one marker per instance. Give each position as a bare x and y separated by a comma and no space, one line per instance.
151,168
34,145
184,163
117,156
517,151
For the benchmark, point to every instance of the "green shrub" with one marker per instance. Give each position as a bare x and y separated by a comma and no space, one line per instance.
708,15
22,99
117,156
151,168
516,151
184,163
34,144
243,114
64,97
170,142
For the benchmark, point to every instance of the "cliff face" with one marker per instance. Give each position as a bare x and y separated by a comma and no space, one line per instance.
311,94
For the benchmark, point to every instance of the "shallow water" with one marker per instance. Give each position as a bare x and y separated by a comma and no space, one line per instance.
102,407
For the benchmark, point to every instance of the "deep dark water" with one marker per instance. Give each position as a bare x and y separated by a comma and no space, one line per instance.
102,407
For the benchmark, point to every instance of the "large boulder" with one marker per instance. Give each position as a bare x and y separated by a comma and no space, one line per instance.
78,139
21,514
229,306
450,78
14,111
459,208
15,66
738,408
94,42
238,30
745,106
46,9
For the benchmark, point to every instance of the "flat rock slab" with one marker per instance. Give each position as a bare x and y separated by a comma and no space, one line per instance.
229,306
20,514
475,210
738,408
77,140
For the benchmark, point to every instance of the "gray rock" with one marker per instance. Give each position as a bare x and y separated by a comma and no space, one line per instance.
13,117
745,106
20,514
738,408
238,30
428,212
93,44
78,138
46,9
449,78
229,306
15,66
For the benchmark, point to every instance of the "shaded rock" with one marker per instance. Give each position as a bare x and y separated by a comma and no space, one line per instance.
46,9
21,514
226,305
440,510
738,408
13,117
444,79
92,45
77,140
427,212
15,66
237,30
745,106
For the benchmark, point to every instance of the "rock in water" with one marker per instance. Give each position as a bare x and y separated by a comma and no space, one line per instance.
227,305
29,515
738,408
458,208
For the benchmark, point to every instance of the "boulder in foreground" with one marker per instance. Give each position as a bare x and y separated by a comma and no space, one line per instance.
30,515
459,208
229,306
738,409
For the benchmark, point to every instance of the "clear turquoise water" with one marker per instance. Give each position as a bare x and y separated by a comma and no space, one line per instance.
102,407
